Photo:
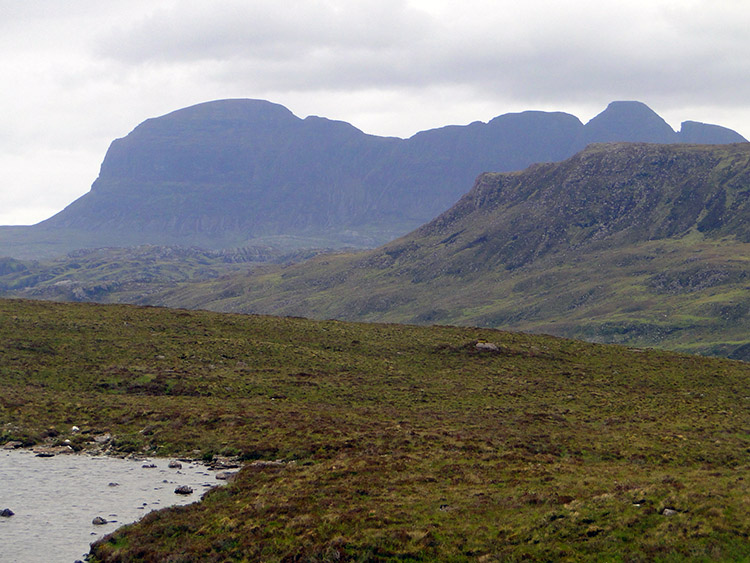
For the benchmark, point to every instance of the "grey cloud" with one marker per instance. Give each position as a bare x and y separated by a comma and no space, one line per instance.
560,53
265,30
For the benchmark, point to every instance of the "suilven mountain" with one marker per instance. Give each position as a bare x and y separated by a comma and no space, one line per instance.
248,173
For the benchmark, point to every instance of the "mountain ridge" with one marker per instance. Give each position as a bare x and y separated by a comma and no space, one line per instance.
235,173
641,244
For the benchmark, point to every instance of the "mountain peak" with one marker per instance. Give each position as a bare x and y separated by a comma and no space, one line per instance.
704,133
629,121
244,109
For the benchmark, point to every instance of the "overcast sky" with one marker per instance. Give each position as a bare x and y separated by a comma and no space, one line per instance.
80,73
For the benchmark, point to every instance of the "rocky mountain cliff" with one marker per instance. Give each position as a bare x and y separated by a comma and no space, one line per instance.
642,244
236,173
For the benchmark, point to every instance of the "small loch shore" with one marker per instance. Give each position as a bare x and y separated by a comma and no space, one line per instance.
62,501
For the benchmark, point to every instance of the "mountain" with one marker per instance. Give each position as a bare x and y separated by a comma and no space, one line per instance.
245,173
641,244
629,122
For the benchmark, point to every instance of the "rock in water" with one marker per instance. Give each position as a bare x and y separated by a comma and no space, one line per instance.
174,465
99,521
183,490
6,513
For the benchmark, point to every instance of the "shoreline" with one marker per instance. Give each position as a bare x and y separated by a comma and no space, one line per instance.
50,450
77,498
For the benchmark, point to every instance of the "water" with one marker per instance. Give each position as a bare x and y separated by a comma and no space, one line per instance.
55,499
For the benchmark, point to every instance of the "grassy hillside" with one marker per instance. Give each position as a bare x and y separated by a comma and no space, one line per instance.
645,245
377,442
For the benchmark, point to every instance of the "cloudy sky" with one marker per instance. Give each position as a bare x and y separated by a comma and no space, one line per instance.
80,73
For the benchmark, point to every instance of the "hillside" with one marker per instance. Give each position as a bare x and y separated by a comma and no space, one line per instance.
236,173
390,442
640,244
132,273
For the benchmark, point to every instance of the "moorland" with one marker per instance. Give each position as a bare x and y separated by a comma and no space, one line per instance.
386,442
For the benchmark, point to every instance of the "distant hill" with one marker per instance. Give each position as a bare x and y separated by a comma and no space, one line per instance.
641,244
239,173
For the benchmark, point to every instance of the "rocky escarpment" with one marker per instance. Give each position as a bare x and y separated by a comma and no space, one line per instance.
605,196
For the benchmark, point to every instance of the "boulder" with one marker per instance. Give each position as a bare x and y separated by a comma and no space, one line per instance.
99,521
6,513
174,465
184,490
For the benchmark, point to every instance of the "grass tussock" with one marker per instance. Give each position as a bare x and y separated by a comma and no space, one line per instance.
391,442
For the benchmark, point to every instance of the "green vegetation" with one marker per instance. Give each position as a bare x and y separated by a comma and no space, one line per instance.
644,245
130,275
689,295
393,442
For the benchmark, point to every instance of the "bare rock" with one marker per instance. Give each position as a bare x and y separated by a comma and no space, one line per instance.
184,490
6,513
99,521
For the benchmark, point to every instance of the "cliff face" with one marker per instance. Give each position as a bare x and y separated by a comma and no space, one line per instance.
233,173
237,169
